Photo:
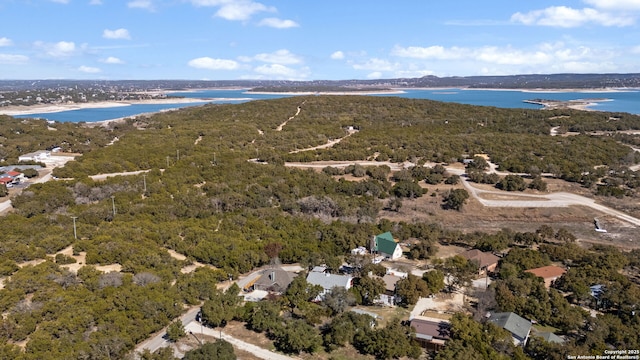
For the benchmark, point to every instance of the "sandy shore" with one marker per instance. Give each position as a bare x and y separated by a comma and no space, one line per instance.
53,108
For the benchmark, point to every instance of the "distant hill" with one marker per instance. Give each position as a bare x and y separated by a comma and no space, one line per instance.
538,81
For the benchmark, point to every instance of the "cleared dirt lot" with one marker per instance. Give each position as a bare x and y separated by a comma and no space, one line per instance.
564,205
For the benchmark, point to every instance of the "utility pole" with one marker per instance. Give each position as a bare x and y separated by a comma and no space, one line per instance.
113,205
177,155
75,233
144,182
167,162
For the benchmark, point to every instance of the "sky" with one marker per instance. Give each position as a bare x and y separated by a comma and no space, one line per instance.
314,40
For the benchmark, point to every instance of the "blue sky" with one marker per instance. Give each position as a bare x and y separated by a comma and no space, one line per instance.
314,40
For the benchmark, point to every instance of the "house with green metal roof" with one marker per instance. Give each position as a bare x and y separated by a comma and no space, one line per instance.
385,245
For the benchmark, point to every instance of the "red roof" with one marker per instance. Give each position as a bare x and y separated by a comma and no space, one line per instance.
14,173
5,180
547,272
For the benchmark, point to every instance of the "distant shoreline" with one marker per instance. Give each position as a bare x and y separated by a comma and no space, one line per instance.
54,108
22,110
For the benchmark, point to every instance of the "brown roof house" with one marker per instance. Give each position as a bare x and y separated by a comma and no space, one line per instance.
485,261
274,280
389,297
548,273
431,333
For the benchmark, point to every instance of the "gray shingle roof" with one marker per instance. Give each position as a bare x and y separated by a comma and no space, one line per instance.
513,323
329,281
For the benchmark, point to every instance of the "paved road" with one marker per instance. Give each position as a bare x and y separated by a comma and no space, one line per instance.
191,325
196,329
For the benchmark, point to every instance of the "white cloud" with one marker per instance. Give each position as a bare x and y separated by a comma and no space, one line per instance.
11,59
241,10
376,65
551,57
278,71
338,55
508,56
56,50
116,34
412,73
5,41
278,23
635,49
112,60
95,2
431,52
374,75
141,4
615,4
562,16
213,64
282,56
89,69
209,2
60,1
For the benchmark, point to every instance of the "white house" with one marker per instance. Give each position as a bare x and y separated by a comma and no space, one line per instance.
329,281
385,245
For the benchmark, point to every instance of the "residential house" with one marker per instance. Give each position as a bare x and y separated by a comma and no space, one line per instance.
548,273
519,327
6,180
431,333
486,262
329,281
389,296
275,280
385,245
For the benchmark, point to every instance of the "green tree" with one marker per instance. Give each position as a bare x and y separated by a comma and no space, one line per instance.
343,329
410,289
391,342
512,183
459,271
175,331
455,199
221,308
338,300
434,280
367,289
300,292
298,336
263,315
219,350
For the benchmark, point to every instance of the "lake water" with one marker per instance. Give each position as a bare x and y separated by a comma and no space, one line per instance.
619,101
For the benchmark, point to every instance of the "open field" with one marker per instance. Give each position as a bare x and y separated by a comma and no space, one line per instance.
520,211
